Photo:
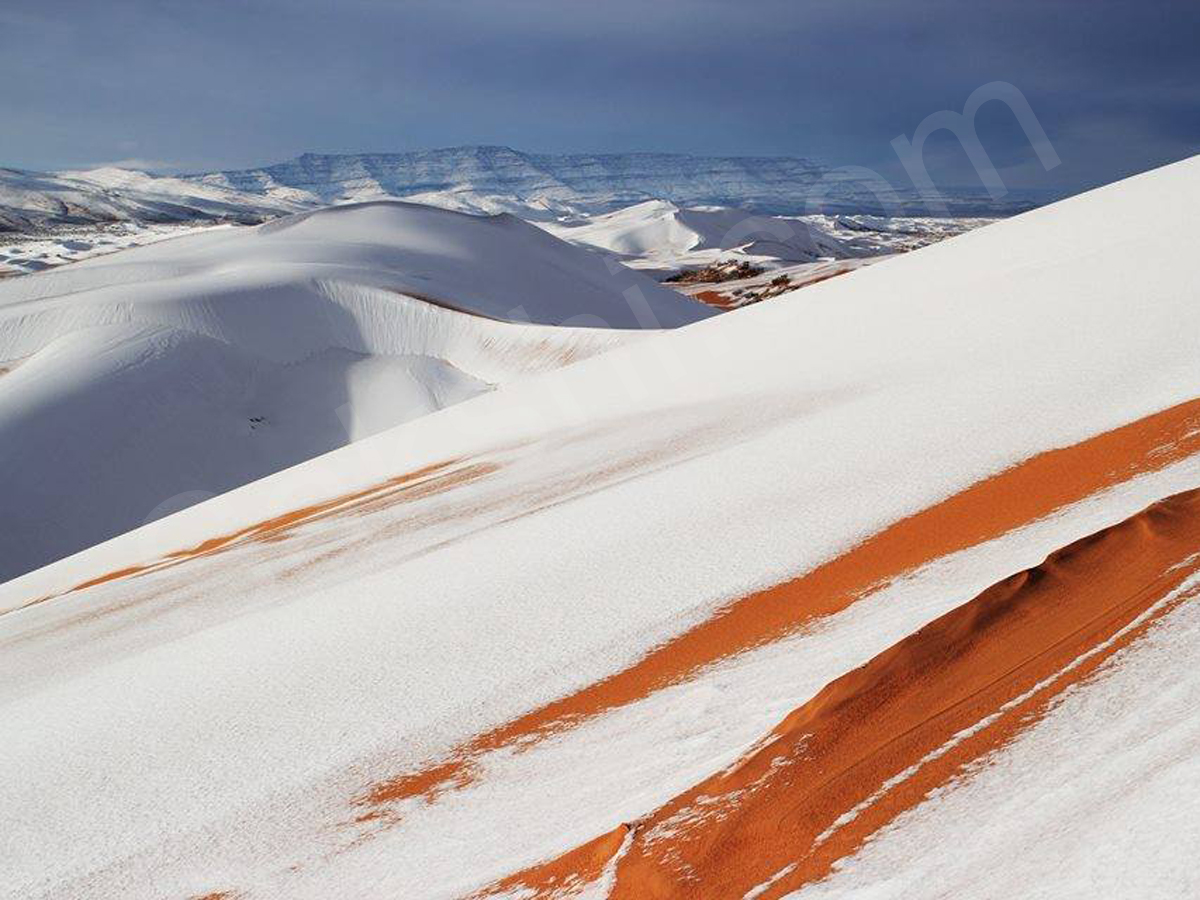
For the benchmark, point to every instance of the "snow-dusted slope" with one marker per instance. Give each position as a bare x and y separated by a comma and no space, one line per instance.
35,200
696,617
144,381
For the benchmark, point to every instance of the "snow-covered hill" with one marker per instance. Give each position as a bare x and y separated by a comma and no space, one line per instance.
31,201
886,588
138,383
661,235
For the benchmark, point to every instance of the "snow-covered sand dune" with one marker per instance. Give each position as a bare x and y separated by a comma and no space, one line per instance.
663,236
142,382
659,232
573,637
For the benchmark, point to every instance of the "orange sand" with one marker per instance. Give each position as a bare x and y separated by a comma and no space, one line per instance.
408,487
574,869
1026,492
716,298
1006,654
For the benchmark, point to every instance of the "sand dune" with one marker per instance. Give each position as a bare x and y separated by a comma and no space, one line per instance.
160,377
878,740
1028,491
565,636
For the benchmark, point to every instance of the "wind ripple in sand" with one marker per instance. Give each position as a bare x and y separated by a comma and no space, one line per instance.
878,740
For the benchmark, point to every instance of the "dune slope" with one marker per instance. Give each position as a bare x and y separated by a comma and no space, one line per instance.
146,381
879,739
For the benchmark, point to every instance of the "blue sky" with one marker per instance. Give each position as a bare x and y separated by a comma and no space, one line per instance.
201,85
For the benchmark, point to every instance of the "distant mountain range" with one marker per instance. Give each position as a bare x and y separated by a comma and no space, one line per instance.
492,179
475,179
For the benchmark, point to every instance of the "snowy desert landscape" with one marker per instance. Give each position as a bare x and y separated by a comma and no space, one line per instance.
769,617
476,523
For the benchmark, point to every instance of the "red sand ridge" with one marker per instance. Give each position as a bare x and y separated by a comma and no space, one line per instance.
878,740
1026,492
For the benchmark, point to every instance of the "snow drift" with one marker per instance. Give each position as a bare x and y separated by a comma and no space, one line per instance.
142,382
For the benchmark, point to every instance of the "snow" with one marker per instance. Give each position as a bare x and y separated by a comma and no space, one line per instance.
705,207
665,236
181,370
662,237
206,727
30,201
481,180
549,186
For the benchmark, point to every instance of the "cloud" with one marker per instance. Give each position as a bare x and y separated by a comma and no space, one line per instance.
237,83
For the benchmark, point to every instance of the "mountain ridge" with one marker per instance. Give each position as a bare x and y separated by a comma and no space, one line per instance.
564,189
484,175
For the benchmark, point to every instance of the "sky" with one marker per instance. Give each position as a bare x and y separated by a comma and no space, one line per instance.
195,86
